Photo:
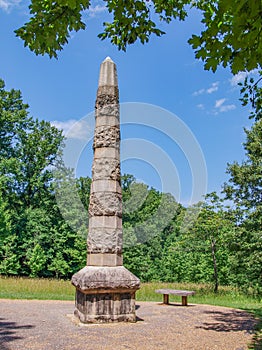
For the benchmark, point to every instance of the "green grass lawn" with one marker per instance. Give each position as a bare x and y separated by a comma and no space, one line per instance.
52,289
35,288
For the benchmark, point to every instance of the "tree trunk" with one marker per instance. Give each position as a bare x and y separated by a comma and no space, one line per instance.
213,250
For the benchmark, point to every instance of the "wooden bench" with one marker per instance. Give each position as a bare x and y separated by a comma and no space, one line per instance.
183,293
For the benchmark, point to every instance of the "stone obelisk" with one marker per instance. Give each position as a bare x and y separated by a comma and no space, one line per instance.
105,289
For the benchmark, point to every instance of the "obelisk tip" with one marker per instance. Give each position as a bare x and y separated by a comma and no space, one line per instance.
108,59
108,75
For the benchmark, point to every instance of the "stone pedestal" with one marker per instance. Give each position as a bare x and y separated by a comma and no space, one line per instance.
105,294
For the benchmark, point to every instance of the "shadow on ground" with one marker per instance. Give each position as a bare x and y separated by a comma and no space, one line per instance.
8,332
231,321
176,305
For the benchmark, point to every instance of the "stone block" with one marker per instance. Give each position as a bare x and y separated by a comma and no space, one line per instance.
105,203
105,307
111,110
96,259
107,76
106,136
105,222
105,186
106,168
98,279
104,240
107,152
107,94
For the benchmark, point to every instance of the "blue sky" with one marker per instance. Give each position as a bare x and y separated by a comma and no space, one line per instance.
163,73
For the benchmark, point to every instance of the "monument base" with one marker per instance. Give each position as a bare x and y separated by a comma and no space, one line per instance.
105,307
105,294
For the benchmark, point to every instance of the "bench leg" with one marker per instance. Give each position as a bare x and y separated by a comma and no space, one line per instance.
184,300
166,298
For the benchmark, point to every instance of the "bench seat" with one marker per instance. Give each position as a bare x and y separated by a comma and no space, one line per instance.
183,293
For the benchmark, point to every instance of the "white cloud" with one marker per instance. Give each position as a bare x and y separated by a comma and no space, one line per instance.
210,90
227,108
93,11
7,5
213,88
198,92
200,106
76,129
219,104
238,78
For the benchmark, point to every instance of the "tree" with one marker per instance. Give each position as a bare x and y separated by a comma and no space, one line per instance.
83,185
36,260
5,221
244,188
28,150
232,34
8,259
147,215
10,264
40,150
197,250
211,233
59,265
33,233
252,93
245,183
13,117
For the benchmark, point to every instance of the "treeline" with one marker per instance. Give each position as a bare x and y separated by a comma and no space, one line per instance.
163,241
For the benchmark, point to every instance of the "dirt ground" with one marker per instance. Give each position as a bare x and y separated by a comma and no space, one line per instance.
48,325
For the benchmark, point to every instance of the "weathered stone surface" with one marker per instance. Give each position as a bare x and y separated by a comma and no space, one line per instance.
107,136
105,221
106,185
108,153
97,278
104,240
107,102
104,259
107,120
105,307
105,290
107,110
106,90
108,74
106,168
105,203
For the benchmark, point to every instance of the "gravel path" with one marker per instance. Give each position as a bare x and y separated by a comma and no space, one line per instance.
48,325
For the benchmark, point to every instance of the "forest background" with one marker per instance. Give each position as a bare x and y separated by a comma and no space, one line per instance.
222,245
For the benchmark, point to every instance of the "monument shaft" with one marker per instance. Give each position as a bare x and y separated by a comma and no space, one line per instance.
105,290
105,206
